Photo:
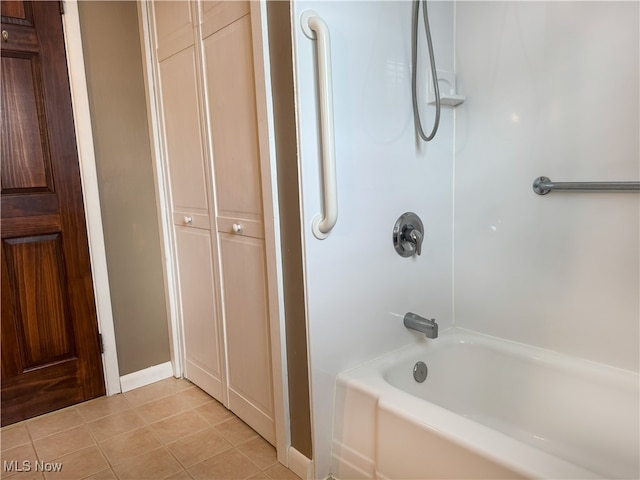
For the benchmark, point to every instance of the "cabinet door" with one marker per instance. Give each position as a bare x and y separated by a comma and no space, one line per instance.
247,327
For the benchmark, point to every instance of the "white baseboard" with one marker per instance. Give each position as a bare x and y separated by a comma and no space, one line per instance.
299,464
146,376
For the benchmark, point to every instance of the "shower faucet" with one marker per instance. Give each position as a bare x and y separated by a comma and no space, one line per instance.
421,324
408,234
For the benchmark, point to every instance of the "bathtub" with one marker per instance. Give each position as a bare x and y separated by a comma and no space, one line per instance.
489,408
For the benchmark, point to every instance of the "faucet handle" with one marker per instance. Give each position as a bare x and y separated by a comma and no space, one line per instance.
408,235
415,237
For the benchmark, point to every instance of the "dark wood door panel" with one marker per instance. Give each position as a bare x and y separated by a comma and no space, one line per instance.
23,38
16,12
50,347
34,392
30,225
37,280
15,206
25,141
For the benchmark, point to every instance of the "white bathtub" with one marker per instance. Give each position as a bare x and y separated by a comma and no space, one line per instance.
489,408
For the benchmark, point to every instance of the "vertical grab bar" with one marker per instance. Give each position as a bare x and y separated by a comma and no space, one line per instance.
316,29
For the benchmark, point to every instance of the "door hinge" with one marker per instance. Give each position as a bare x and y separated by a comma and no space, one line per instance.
61,3
101,343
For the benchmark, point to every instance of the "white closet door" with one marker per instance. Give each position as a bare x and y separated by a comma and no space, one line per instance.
189,182
246,319
207,78
233,117
197,298
187,175
230,87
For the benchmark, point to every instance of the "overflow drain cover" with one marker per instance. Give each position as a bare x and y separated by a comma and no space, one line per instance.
420,372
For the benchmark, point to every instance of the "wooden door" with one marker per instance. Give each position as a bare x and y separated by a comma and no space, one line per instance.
50,346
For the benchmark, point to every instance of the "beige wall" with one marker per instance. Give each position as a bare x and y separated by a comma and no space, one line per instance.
113,64
286,151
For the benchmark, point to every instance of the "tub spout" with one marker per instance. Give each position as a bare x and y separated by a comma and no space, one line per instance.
424,325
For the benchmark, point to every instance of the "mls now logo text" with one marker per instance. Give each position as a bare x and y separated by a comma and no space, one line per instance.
29,466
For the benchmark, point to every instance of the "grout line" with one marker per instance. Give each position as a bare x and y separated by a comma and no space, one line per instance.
262,469
89,420
29,421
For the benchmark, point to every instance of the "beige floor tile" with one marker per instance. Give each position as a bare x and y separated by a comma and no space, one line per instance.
103,475
236,431
230,465
214,412
163,407
14,436
145,394
198,432
54,422
25,475
180,425
154,465
156,390
102,407
63,443
280,472
182,475
19,454
80,464
177,384
199,446
196,397
121,448
18,462
260,452
259,476
116,424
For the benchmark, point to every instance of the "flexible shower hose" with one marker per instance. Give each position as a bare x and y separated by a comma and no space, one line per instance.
432,62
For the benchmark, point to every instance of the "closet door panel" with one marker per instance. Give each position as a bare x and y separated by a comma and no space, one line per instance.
228,57
184,144
197,299
247,328
172,18
174,27
190,205
217,14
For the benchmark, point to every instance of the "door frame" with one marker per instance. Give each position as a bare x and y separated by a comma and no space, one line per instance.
270,213
89,180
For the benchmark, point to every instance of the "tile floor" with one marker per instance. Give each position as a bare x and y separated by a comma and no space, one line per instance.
167,430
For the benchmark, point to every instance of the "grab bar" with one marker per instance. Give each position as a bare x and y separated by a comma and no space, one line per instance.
543,185
316,29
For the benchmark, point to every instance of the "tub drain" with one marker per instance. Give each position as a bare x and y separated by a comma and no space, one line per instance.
420,372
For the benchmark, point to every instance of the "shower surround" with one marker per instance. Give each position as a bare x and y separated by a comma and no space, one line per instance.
552,89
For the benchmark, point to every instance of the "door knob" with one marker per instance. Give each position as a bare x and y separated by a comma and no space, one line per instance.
237,228
188,220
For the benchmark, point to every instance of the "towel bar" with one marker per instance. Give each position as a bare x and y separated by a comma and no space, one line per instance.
543,185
